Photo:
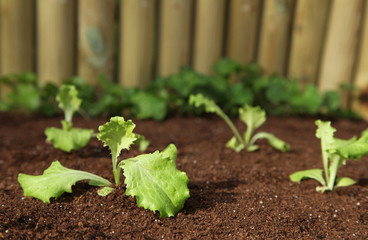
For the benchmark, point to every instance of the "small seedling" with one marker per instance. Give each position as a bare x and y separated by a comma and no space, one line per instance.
253,117
152,178
68,138
335,152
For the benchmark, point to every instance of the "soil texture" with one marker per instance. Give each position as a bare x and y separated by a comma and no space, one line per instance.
233,195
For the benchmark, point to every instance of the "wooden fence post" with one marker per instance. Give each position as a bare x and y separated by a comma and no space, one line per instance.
175,33
360,100
307,40
96,21
136,42
208,34
275,35
243,31
56,40
341,45
17,36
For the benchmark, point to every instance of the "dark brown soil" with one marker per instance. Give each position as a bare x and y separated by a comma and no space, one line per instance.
233,195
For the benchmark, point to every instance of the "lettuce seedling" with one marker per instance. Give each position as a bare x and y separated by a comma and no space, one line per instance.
335,152
253,117
68,138
152,179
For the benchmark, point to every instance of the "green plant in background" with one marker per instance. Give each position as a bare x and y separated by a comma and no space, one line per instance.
169,95
22,92
68,138
335,152
152,179
253,117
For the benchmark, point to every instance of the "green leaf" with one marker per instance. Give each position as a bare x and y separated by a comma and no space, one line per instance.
155,182
25,96
117,134
68,100
309,101
316,174
209,105
56,180
253,117
103,192
274,141
67,140
325,132
141,142
353,149
344,182
225,67
147,105
237,146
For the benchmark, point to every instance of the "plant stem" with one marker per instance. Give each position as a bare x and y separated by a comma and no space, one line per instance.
325,160
115,170
335,164
232,126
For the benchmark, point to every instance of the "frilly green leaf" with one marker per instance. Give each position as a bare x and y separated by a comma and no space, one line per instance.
253,117
325,132
67,140
210,106
117,134
68,100
56,180
155,182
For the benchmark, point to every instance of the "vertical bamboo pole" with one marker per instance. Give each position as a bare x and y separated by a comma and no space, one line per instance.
208,34
55,40
175,33
17,39
341,44
95,39
360,101
243,30
307,39
136,42
275,35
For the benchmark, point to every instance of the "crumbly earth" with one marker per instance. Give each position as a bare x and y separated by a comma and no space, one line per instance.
233,195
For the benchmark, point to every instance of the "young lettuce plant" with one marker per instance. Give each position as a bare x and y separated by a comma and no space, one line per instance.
335,152
68,138
152,178
253,117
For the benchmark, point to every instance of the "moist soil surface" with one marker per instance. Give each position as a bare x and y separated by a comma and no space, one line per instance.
233,195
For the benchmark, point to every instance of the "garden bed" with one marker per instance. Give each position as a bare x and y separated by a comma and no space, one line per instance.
233,195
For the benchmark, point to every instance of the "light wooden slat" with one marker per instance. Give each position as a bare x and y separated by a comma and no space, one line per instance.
360,101
56,40
175,33
275,35
17,36
242,31
136,42
307,39
341,44
96,39
208,34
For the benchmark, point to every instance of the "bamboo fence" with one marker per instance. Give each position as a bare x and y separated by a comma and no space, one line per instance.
324,42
